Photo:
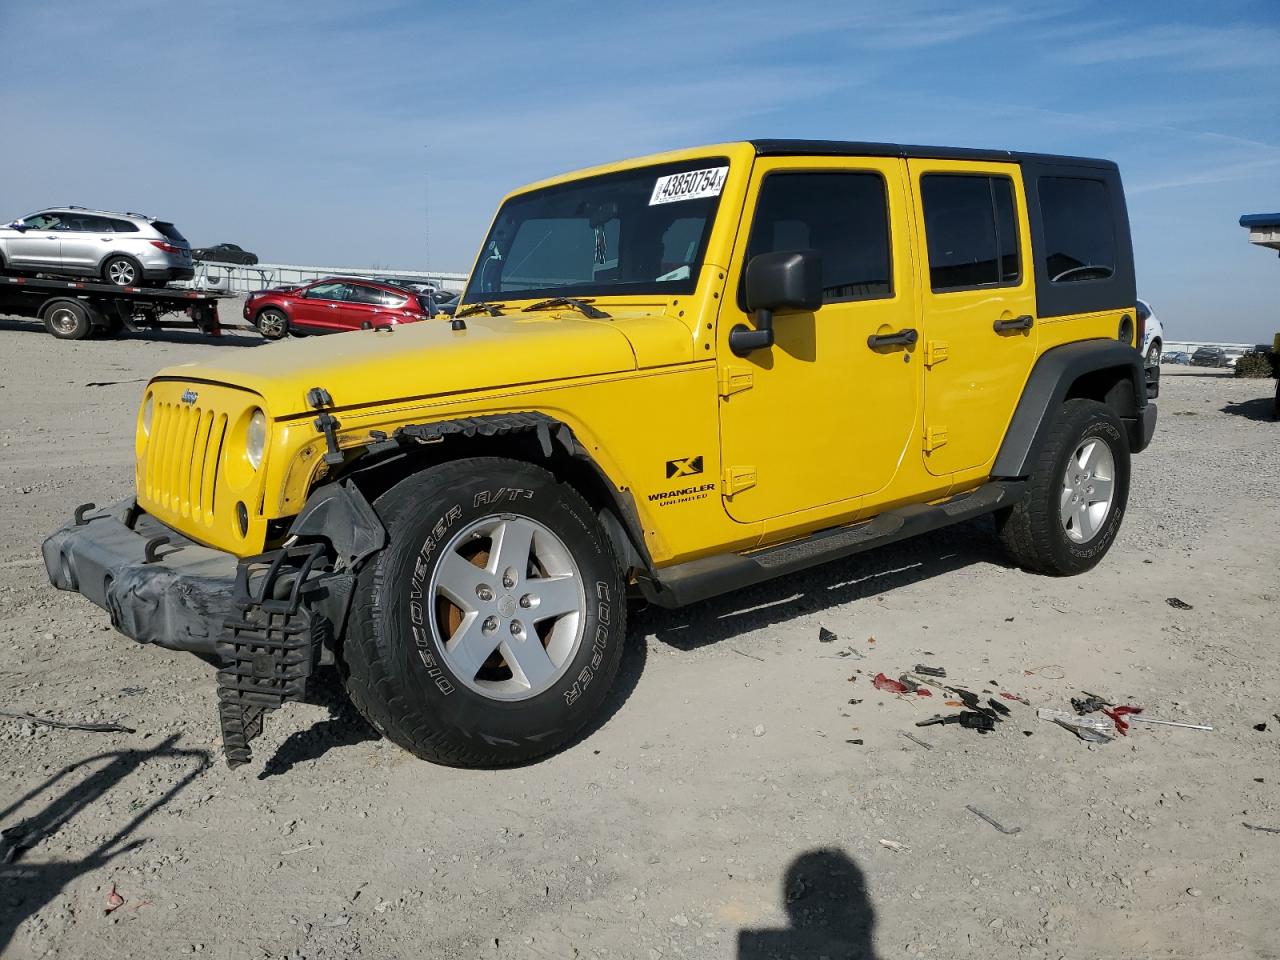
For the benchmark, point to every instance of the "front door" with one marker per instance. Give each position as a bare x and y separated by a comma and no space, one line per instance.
85,241
979,337
320,305
39,246
824,416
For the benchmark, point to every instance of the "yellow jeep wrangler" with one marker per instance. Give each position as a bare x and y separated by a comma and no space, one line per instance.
668,377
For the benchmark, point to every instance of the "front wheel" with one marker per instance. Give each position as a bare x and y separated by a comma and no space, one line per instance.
489,629
1153,355
272,324
1076,494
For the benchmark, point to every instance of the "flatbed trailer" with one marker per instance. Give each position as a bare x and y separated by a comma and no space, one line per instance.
76,309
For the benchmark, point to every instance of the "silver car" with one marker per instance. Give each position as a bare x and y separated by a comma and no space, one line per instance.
125,249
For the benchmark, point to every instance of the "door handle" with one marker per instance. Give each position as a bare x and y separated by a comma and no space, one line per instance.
1023,322
903,338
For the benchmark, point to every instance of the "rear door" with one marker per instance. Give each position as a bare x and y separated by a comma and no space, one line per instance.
978,306
362,305
86,240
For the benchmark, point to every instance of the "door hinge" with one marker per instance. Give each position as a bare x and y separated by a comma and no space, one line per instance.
737,479
735,380
935,351
934,437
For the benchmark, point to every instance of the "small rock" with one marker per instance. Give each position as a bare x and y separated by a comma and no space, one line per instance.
1193,891
758,731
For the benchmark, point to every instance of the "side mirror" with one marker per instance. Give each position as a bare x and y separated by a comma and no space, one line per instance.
18,225
777,283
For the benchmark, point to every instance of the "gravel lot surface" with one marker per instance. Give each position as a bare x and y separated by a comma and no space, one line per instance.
721,810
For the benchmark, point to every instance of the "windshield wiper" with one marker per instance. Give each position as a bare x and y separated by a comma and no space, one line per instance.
492,309
593,313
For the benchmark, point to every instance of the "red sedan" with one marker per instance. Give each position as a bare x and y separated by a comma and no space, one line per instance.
331,306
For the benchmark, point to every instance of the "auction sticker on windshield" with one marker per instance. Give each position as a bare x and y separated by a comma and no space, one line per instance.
691,185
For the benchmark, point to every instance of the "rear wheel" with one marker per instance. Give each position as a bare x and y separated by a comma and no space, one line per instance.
490,628
272,324
1153,355
1076,494
67,320
122,271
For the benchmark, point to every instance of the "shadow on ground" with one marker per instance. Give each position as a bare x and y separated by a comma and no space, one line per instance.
828,911
20,325
25,888
1263,409
856,578
345,727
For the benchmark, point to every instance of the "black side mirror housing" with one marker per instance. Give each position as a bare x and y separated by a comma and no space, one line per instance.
790,280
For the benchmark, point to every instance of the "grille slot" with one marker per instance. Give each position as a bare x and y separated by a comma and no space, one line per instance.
182,460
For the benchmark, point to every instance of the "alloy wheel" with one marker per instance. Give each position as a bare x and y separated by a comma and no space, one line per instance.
1088,488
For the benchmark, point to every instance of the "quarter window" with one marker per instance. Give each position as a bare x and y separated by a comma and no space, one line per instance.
1079,236
843,216
971,228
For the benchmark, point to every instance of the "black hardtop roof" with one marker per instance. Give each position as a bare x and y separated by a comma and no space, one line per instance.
856,148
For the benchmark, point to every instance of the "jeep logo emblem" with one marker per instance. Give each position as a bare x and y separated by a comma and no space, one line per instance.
190,396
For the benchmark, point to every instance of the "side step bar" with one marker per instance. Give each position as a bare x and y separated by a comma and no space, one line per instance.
696,580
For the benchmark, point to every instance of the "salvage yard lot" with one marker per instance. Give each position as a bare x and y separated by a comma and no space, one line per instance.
721,810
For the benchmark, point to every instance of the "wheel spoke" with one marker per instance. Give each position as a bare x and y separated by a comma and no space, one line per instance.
470,646
528,660
1083,523
556,597
458,580
1065,506
513,542
1102,487
1085,455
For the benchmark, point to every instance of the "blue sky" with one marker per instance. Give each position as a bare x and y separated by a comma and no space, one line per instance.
324,132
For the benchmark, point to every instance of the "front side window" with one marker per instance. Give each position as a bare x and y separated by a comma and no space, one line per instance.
843,216
1079,234
971,231
642,231
43,221
326,291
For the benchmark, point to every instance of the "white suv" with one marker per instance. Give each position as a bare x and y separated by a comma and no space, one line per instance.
125,249
1153,339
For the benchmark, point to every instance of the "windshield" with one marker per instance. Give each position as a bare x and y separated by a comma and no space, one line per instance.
641,231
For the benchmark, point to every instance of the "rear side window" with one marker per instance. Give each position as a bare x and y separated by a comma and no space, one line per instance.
358,293
122,226
169,230
843,216
971,229
1079,235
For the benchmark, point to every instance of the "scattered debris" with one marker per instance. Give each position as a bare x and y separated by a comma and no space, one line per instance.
1092,729
826,636
1088,704
850,652
999,707
969,719
114,901
66,725
750,656
893,845
1013,696
914,739
1118,714
881,682
1175,723
952,703
758,731
854,703
1251,826
17,839
1007,831
1178,604
911,685
923,692
1260,727
856,743
931,671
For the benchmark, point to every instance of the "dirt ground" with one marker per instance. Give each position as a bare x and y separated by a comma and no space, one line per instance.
750,795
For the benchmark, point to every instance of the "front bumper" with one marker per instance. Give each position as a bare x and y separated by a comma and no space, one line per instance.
175,594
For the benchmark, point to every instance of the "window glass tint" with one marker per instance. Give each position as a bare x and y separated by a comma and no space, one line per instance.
358,293
42,221
1079,234
389,299
843,216
122,226
326,291
971,229
169,231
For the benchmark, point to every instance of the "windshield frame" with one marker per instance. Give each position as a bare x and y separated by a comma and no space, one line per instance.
660,289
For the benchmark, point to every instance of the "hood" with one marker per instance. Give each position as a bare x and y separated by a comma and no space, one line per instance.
425,359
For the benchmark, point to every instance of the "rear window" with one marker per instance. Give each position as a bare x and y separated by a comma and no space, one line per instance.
169,230
1079,233
971,231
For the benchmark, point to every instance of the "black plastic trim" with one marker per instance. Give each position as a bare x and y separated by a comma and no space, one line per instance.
1046,390
858,148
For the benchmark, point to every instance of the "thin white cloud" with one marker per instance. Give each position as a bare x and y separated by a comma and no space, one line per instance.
1179,47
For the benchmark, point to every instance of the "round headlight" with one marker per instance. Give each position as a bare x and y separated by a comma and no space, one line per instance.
146,415
256,438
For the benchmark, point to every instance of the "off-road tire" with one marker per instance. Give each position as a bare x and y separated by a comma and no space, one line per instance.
277,326
403,683
67,320
1032,531
112,269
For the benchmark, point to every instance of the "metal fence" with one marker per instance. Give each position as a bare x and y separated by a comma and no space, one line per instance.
234,278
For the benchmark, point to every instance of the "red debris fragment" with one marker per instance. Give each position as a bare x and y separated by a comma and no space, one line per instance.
1013,696
888,684
923,692
114,900
1115,713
